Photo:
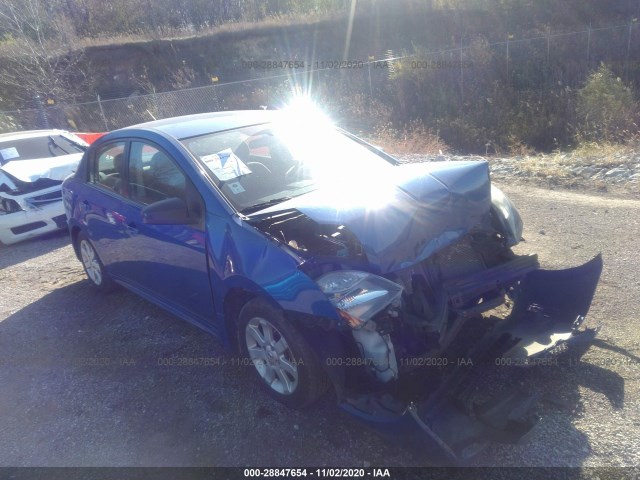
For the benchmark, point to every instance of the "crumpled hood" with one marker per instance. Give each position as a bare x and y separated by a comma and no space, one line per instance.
55,168
6,183
403,218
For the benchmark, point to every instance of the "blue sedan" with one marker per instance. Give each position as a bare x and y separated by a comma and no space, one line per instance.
330,266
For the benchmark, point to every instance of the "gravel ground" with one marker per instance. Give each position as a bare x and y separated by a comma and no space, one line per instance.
615,171
81,383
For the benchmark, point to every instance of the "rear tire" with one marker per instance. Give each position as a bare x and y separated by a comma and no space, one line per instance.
92,264
280,357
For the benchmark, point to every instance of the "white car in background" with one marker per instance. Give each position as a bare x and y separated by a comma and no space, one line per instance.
33,165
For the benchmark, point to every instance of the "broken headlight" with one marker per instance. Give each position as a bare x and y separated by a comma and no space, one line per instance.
509,216
358,296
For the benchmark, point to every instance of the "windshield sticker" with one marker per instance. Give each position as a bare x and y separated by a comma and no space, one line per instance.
9,153
236,188
225,165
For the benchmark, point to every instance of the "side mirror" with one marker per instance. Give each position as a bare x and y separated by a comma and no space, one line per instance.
172,211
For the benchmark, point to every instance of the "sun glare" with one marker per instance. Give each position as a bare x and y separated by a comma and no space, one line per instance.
303,106
344,170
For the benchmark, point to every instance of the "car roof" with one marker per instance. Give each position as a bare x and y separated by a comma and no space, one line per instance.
29,134
203,123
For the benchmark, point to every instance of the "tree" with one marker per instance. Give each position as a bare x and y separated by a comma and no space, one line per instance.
36,52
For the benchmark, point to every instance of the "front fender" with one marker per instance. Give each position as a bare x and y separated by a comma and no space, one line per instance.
240,257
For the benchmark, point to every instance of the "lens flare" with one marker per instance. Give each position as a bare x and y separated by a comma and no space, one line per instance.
339,167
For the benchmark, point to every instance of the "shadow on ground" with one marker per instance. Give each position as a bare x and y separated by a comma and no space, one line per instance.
21,252
90,379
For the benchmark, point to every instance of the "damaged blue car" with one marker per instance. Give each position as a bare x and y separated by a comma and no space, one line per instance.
330,266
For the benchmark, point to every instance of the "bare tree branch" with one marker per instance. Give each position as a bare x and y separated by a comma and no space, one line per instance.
37,55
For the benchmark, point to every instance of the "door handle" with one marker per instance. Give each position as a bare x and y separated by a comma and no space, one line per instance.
132,229
85,205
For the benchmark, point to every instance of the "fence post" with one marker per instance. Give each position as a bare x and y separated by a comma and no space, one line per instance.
548,43
43,121
155,102
508,81
219,105
104,118
588,46
369,60
461,71
626,62
389,62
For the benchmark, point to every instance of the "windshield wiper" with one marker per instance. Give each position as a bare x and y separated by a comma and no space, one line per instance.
260,206
53,142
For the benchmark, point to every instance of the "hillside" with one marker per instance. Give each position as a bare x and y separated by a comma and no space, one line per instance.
506,74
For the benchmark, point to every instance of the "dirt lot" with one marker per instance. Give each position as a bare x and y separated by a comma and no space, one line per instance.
82,384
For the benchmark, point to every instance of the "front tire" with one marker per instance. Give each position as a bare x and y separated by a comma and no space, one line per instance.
92,265
279,355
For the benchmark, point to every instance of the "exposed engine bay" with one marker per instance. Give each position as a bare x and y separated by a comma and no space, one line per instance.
435,311
307,237
465,279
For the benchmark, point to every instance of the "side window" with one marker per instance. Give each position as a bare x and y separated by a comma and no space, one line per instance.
108,167
153,175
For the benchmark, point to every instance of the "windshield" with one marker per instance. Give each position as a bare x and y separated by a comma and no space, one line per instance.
37,147
261,165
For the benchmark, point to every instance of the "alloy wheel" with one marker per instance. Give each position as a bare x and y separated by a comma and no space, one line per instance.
271,356
90,262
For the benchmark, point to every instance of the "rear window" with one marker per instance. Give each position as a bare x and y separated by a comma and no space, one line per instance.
37,147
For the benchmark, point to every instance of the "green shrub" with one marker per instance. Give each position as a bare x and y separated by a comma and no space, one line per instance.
606,108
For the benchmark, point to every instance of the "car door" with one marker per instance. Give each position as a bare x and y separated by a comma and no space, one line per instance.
168,262
102,205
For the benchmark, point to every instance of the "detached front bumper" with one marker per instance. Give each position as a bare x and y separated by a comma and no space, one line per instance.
463,412
41,212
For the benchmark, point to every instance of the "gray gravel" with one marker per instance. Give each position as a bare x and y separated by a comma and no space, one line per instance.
81,384
616,173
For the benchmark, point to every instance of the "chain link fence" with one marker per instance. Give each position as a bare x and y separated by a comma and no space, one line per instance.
541,63
106,115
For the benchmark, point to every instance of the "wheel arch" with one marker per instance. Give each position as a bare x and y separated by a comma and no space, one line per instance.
234,300
75,231
238,296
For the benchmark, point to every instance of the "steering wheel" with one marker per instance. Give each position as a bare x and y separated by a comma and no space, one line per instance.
297,171
260,166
